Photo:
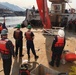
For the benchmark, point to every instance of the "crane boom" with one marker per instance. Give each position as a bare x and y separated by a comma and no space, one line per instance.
44,13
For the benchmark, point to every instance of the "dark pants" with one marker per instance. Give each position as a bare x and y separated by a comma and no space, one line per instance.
30,45
7,66
56,56
19,45
75,27
70,26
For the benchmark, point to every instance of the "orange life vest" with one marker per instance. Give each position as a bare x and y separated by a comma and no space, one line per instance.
17,34
1,28
60,42
28,36
3,49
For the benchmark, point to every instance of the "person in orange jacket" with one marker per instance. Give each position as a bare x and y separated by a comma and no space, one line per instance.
18,36
7,51
57,48
29,35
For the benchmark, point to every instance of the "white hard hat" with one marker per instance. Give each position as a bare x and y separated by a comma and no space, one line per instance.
61,33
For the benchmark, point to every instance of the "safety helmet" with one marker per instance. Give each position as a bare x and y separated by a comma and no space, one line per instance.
4,32
29,26
61,33
18,26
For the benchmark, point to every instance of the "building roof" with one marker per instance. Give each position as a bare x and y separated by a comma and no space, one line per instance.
59,1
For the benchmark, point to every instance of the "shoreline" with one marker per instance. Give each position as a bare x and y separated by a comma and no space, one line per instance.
12,21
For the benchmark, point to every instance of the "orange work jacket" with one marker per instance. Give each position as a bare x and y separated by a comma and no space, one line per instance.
3,49
28,36
60,42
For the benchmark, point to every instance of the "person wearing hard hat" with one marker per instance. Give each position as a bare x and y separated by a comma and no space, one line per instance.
7,51
57,48
29,35
18,36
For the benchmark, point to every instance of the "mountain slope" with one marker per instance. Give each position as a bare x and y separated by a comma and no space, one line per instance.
2,6
11,6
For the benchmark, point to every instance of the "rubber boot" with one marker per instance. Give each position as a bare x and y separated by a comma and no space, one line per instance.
51,63
36,57
28,57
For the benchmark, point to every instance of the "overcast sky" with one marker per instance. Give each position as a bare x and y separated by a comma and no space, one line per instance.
30,3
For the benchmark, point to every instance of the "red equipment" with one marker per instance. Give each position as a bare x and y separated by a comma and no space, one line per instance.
70,57
44,13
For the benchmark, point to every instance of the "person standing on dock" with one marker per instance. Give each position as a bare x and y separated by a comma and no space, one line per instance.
57,48
29,35
6,50
4,25
18,36
70,23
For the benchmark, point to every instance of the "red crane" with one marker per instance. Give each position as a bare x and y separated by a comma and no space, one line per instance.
44,13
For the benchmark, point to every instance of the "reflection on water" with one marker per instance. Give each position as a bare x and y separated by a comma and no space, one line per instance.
12,21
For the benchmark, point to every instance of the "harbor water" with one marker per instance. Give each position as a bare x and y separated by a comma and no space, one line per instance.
12,21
